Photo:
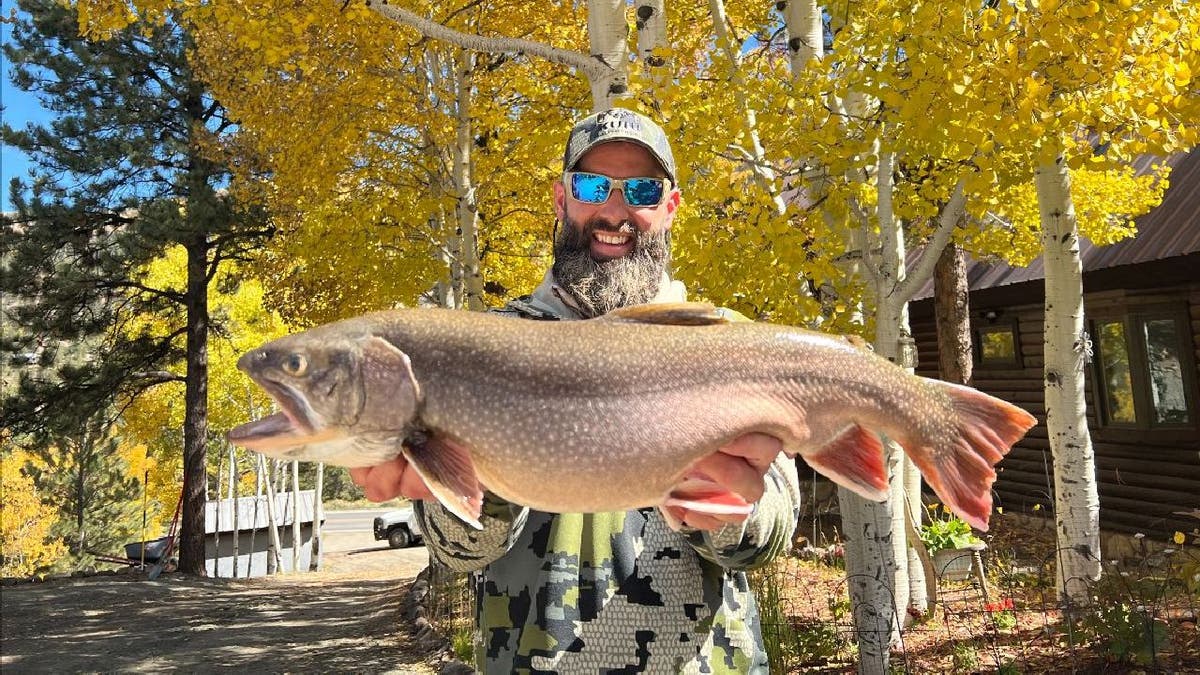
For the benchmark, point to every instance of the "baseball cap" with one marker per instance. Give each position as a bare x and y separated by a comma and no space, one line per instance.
619,124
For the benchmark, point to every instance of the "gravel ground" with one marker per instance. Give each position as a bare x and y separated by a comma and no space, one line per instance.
343,619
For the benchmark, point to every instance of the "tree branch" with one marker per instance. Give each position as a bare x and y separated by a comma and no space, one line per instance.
587,65
923,270
150,378
157,292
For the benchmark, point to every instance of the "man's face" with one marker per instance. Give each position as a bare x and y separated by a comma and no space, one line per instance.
613,255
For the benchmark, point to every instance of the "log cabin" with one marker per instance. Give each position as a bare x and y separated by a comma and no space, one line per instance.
1142,313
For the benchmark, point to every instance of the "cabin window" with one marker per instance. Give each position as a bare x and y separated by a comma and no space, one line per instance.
998,345
1144,373
1116,381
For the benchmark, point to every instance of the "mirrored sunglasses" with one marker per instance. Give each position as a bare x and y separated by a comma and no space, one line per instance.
594,188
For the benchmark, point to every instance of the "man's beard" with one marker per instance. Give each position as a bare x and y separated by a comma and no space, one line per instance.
600,286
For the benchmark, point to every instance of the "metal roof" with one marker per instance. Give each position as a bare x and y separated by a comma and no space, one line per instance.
1172,229
252,511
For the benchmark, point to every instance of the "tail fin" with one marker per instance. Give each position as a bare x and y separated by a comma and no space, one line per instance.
959,469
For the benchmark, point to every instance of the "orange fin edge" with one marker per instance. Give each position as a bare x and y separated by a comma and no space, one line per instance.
962,474
853,460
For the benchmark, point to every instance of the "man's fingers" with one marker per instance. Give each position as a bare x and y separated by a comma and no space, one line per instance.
383,480
756,448
359,475
733,473
413,486
391,479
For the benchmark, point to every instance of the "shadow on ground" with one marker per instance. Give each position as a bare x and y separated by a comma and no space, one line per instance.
292,623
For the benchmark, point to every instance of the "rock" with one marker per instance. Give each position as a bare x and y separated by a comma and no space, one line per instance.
456,668
414,612
432,643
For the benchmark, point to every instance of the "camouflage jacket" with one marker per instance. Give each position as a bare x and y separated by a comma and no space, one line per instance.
613,592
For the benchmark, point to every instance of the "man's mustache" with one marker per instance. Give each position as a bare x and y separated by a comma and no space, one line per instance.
624,227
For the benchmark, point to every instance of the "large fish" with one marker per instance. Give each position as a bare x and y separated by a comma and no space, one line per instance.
611,413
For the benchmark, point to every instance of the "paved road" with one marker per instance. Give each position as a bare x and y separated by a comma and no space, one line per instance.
357,520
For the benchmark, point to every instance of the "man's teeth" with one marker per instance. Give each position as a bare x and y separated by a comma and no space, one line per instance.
612,239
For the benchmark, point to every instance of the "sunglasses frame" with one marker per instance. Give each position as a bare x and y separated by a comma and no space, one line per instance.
614,184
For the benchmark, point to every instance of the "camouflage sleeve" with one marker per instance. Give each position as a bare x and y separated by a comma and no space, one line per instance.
461,547
766,533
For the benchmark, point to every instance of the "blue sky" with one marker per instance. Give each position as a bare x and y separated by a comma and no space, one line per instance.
19,109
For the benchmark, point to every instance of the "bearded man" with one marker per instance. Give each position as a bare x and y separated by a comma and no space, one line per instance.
622,592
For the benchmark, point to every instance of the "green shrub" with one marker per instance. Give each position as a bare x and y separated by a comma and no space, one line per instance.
946,530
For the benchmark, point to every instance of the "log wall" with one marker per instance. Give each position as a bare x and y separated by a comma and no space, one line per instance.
1144,476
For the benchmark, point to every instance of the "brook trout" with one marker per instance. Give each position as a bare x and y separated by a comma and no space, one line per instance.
610,413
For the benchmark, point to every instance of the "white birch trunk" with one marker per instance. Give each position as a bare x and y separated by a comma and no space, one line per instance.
272,519
608,34
217,526
870,575
432,86
1076,500
314,563
258,492
466,209
805,34
233,495
590,67
652,34
891,329
876,555
296,516
755,156
887,576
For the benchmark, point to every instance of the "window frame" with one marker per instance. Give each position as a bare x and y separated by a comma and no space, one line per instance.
1134,322
1010,326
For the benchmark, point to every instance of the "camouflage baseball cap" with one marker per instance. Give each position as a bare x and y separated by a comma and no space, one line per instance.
619,124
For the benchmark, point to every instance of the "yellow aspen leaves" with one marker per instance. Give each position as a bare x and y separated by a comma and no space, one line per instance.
26,544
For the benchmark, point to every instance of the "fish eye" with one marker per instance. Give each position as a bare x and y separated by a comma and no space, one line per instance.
295,364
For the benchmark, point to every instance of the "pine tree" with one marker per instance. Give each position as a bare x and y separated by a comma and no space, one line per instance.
130,167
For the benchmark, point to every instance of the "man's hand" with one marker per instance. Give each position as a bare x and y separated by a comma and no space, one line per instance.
393,479
738,467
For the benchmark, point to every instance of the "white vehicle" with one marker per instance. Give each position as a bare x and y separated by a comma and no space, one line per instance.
399,527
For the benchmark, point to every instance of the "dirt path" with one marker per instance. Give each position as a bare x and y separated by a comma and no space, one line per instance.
343,619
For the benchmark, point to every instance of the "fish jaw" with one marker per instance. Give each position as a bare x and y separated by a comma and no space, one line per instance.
295,425
337,449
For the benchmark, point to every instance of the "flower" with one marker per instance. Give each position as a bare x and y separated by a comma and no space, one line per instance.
999,606
1179,538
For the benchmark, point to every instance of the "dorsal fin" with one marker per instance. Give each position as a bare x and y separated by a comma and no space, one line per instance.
675,314
858,342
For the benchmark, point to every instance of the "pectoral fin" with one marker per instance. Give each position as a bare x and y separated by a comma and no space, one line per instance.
449,472
675,314
701,495
853,460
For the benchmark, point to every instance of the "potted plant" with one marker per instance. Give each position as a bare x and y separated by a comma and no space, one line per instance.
951,542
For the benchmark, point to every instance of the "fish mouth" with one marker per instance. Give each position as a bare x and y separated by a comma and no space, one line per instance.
292,426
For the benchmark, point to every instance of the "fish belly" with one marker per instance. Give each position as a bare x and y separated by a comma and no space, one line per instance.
604,454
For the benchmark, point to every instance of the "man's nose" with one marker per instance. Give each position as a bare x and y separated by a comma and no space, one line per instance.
614,207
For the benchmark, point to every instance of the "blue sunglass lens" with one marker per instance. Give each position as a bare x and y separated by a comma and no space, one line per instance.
593,188
643,191
590,188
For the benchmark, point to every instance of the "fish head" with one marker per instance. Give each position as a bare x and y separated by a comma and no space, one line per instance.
344,399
